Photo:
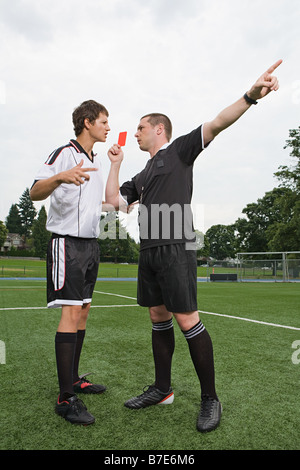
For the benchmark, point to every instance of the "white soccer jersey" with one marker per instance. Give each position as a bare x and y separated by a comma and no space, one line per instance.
74,210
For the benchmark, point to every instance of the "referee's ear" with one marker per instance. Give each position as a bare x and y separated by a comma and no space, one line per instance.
160,129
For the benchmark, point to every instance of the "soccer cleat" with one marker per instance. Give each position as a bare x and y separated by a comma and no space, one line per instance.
74,411
210,414
151,396
85,386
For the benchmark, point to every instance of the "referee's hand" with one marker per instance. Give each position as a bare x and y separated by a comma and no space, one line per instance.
76,175
115,154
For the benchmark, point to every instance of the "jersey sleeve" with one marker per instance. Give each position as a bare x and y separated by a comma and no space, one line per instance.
58,160
129,191
189,146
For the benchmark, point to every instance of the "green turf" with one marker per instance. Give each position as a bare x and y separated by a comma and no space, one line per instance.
256,379
26,268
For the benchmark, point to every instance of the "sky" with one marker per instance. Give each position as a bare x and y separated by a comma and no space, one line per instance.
188,60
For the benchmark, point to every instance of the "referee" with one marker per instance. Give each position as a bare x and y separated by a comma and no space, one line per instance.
73,179
167,277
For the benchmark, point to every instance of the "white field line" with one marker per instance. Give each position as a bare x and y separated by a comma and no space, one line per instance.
46,308
21,287
249,320
116,295
136,305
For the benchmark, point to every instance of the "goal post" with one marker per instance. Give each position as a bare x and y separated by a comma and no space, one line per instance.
280,266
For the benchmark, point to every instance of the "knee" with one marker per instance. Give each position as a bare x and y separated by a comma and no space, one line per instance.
71,316
159,314
187,320
85,311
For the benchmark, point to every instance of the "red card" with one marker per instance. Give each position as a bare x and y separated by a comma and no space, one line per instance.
122,138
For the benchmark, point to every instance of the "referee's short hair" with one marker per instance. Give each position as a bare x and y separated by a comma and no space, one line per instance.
90,110
157,118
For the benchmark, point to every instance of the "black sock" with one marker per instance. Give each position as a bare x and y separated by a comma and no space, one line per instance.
65,344
201,352
79,343
163,343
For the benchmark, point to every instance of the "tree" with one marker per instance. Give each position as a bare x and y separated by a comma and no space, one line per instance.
252,232
202,245
40,234
273,222
13,220
221,241
3,233
284,234
27,213
290,176
115,243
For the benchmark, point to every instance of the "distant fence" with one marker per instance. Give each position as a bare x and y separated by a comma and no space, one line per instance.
272,266
284,267
38,270
247,267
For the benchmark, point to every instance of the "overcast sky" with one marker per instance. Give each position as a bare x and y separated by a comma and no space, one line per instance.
188,59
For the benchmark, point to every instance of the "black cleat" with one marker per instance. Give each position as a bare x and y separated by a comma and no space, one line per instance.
74,411
151,396
85,386
210,414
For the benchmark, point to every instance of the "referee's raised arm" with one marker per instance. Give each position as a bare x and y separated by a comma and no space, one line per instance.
262,87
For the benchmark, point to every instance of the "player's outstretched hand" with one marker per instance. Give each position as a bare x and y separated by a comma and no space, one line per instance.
265,84
76,175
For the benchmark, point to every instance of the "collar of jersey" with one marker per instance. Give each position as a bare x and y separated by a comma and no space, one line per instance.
80,149
164,146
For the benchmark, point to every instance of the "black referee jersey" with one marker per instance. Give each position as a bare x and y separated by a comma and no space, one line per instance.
164,189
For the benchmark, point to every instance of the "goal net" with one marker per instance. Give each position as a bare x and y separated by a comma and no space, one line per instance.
269,266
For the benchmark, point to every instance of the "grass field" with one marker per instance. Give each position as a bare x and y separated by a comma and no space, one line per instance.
257,381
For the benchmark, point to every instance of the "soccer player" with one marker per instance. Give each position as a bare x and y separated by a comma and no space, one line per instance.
72,177
167,276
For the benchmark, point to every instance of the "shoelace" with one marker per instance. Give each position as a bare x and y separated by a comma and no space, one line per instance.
146,389
77,406
207,407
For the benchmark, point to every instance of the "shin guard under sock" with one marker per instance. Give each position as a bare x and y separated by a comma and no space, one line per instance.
65,344
79,343
163,343
201,352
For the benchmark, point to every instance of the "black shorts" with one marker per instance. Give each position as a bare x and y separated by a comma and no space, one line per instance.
168,275
72,269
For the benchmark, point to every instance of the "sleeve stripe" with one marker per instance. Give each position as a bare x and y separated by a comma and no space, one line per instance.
53,156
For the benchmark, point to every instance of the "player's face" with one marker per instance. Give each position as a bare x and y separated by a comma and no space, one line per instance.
145,135
100,128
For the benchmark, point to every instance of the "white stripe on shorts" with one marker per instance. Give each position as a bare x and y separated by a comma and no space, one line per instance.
58,263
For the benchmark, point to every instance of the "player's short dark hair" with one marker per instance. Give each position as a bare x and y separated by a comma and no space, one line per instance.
90,110
158,118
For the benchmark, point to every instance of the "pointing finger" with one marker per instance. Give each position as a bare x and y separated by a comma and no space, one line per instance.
274,66
89,169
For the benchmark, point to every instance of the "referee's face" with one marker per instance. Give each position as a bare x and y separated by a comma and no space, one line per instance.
145,134
100,128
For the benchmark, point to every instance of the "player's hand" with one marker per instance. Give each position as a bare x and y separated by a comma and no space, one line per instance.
115,154
265,84
76,175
